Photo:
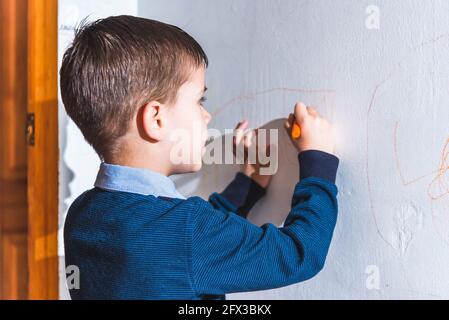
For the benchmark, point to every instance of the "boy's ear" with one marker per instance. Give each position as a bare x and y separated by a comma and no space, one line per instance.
152,121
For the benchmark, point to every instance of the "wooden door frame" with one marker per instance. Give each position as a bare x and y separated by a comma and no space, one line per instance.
13,150
43,156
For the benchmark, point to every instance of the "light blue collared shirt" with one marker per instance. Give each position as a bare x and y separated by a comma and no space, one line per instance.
135,180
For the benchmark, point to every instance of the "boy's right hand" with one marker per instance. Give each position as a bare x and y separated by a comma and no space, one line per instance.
316,132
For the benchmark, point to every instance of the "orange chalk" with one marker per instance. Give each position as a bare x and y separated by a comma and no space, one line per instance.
296,131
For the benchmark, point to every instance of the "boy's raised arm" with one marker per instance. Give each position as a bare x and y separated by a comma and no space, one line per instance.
230,254
239,196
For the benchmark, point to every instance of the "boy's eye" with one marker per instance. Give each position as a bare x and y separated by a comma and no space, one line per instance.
202,100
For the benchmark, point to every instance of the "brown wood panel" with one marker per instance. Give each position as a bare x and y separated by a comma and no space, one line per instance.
13,46
43,156
14,246
13,150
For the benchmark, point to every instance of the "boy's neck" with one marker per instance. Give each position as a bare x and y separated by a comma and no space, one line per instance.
139,163
130,153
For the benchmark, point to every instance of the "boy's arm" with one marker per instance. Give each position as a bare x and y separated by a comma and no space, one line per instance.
239,196
230,254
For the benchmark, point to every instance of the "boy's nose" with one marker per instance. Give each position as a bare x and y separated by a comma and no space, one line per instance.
207,116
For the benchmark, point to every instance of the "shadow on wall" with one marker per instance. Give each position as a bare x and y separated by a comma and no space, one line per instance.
276,204
65,173
66,176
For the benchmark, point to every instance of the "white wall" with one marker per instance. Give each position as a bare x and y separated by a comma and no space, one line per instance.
386,91
389,153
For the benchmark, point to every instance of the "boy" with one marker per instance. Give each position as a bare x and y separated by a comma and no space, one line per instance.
129,82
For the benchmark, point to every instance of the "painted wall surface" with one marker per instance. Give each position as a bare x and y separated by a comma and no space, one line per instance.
379,70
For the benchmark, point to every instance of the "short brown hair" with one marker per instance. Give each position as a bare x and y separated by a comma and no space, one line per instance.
116,65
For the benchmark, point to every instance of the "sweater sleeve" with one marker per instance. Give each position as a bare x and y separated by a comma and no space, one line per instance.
239,196
230,254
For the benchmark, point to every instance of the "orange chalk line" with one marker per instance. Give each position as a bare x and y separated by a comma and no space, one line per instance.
390,75
441,171
252,96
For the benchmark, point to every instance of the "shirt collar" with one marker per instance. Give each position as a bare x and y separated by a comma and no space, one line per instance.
135,180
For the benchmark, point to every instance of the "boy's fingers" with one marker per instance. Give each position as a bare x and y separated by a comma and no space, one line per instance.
247,139
301,112
312,111
241,125
239,131
289,121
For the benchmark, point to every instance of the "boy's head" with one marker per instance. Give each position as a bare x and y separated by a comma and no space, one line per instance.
129,83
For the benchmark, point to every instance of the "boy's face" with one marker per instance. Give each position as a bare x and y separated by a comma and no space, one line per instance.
188,125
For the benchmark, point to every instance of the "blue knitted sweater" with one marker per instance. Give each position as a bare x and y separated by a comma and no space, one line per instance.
133,246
